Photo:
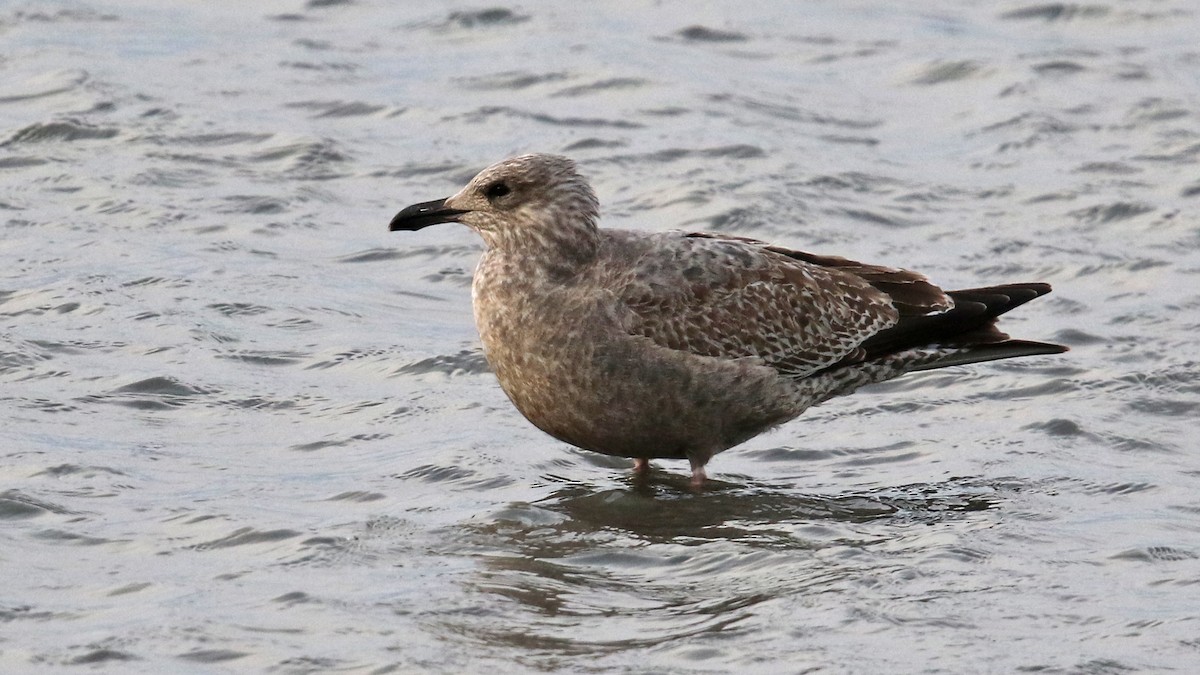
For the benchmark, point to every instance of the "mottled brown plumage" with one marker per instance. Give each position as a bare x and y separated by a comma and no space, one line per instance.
681,345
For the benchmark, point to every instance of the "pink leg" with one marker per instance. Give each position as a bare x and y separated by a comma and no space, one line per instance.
641,466
698,460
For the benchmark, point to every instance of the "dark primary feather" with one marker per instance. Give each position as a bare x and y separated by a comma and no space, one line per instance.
971,323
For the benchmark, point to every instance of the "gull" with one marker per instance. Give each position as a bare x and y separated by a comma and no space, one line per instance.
684,344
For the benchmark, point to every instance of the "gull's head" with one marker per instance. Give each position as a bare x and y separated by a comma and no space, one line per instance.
530,201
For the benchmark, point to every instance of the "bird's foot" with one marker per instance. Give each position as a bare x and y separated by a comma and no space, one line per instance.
641,466
698,477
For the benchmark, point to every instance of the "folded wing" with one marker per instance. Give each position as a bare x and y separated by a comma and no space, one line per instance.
731,297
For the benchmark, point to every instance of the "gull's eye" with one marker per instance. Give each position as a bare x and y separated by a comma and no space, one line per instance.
496,190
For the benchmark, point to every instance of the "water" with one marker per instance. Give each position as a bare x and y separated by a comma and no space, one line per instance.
245,428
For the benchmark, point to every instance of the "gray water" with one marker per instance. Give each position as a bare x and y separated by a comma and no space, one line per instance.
244,428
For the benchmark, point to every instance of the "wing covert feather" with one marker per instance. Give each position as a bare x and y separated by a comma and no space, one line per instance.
736,298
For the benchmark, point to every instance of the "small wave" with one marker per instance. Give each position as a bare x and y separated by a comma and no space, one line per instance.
42,86
61,131
1101,214
247,536
602,87
513,80
485,18
947,71
483,114
706,34
339,108
466,362
1055,11
1156,554
152,394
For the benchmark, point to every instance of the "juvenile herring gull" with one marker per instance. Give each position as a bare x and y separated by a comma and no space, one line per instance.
683,344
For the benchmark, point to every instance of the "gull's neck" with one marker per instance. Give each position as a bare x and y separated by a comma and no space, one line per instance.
550,243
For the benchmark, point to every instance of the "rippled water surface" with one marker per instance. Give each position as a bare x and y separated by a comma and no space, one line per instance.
245,428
